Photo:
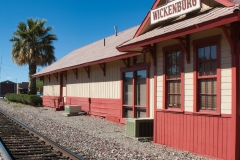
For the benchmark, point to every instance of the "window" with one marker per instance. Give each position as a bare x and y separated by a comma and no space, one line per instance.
207,74
207,77
173,77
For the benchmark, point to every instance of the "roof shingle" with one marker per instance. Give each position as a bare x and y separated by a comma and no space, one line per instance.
92,52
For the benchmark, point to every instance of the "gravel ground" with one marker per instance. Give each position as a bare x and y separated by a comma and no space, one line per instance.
92,138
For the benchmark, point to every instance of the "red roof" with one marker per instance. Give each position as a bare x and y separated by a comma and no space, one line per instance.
195,19
94,52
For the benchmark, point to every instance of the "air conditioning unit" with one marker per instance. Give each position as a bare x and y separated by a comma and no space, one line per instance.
71,110
139,127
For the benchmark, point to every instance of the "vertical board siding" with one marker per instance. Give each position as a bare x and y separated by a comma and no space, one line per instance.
151,86
188,81
78,87
203,135
51,88
64,89
107,86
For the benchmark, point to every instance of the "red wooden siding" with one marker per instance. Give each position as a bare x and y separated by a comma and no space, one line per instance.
204,135
49,101
83,102
101,107
108,108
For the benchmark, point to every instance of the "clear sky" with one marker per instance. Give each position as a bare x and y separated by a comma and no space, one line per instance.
75,22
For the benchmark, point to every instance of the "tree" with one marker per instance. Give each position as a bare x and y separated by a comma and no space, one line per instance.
39,85
33,46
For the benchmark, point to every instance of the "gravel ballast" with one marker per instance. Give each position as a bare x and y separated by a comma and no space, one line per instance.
92,138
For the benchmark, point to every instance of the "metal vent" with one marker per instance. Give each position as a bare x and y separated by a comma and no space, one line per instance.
72,109
139,127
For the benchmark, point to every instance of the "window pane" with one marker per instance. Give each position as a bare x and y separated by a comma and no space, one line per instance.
141,112
209,103
209,86
178,55
141,88
214,52
128,84
214,68
174,71
174,94
127,112
202,102
174,58
207,94
179,71
169,72
207,69
202,86
178,86
201,69
200,54
214,102
173,65
179,101
207,55
214,85
170,100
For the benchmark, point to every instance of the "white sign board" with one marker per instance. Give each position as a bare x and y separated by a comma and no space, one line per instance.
174,9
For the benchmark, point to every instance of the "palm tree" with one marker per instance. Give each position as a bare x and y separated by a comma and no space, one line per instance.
33,46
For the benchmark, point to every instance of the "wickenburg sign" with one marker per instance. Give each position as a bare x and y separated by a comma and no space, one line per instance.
174,9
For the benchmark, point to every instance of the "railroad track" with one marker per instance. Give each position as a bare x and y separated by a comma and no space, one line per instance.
22,142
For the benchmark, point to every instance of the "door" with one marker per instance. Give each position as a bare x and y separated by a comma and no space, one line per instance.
135,94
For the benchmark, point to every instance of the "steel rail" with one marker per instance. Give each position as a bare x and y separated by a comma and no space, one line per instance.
56,147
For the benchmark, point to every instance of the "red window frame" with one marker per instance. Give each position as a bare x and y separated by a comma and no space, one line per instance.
167,50
134,69
199,43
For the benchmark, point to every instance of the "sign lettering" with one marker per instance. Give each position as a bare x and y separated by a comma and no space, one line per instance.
174,9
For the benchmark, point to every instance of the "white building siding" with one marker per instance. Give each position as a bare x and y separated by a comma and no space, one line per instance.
77,87
106,86
51,88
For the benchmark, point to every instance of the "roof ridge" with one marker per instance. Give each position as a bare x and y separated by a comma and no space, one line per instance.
94,51
98,41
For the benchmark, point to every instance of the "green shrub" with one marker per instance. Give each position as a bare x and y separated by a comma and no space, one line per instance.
33,100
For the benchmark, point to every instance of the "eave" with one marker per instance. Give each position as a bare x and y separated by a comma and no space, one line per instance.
126,55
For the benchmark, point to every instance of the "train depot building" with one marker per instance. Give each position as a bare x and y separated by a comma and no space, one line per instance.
180,67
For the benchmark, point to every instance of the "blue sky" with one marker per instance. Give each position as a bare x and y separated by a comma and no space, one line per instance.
75,22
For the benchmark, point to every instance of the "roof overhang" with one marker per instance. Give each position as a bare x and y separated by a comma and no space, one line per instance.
181,32
123,56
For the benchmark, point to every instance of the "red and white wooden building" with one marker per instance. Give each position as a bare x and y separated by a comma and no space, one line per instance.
180,67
